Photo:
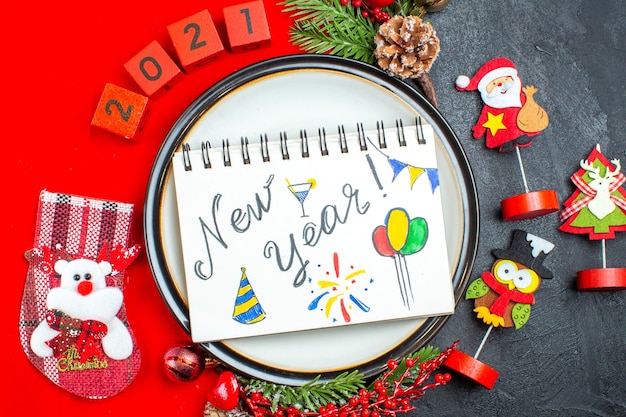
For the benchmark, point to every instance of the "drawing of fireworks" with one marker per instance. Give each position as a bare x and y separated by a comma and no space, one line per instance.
338,293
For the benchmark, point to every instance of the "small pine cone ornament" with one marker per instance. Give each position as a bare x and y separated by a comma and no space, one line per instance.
211,411
406,47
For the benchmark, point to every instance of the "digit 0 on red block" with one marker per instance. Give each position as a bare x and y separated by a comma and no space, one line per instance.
196,40
153,69
121,112
247,27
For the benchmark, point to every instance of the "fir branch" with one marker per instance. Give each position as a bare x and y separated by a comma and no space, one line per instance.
406,8
312,395
346,395
327,26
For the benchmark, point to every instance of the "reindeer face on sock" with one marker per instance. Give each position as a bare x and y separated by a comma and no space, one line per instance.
83,292
82,275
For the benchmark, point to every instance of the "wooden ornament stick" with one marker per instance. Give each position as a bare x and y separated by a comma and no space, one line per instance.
602,279
482,342
521,168
471,367
529,204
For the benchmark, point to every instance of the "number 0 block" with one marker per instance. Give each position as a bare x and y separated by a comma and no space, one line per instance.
196,40
247,26
121,112
153,69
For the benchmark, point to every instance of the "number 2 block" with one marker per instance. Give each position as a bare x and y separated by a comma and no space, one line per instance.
196,40
153,69
121,112
246,26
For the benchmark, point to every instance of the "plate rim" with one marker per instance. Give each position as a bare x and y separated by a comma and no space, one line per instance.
210,97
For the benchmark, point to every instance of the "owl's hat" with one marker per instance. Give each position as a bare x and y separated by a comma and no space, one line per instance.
529,250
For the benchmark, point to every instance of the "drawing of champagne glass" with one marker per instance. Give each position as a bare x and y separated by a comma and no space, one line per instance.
301,191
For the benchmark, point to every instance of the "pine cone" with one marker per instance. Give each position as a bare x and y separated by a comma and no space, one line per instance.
432,5
211,411
406,47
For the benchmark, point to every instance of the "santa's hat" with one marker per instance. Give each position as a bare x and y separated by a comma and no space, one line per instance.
497,67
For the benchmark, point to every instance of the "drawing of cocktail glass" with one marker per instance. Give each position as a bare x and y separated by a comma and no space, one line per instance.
301,191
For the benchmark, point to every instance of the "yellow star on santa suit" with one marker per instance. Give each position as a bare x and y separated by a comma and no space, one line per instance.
494,123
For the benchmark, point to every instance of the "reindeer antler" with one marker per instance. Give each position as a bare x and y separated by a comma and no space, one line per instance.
119,256
45,257
584,164
618,168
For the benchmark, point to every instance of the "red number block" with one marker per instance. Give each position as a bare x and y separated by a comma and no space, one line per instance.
121,112
196,40
247,26
153,69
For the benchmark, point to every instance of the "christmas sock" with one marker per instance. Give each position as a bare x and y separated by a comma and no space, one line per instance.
73,324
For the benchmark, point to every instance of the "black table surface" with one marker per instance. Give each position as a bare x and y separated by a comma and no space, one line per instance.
570,358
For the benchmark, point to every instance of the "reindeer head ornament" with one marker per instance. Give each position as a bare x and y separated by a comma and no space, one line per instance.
601,187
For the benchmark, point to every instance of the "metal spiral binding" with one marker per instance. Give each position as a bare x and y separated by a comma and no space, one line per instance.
304,143
382,140
420,132
186,158
362,138
205,154
400,130
226,152
323,146
283,145
343,140
265,153
245,155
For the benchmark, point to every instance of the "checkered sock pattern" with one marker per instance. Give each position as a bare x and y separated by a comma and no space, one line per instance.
72,227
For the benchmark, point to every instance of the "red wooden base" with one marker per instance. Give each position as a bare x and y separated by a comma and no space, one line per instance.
529,205
471,368
602,279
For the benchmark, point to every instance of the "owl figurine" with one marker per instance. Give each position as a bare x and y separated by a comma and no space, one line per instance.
503,296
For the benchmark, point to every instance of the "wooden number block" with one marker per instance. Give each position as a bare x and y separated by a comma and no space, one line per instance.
121,112
196,40
247,26
153,69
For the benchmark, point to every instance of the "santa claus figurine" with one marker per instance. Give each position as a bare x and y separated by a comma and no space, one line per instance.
510,117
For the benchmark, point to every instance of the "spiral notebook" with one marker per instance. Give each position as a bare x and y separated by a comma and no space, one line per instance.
316,231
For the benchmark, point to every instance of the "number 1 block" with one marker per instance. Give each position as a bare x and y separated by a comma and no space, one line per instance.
121,112
247,26
196,40
153,69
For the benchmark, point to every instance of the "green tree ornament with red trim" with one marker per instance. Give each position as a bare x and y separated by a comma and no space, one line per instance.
597,208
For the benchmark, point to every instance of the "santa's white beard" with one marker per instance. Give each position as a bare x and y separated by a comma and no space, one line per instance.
506,95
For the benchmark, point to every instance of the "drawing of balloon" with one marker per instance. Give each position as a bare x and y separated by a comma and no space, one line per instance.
398,237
